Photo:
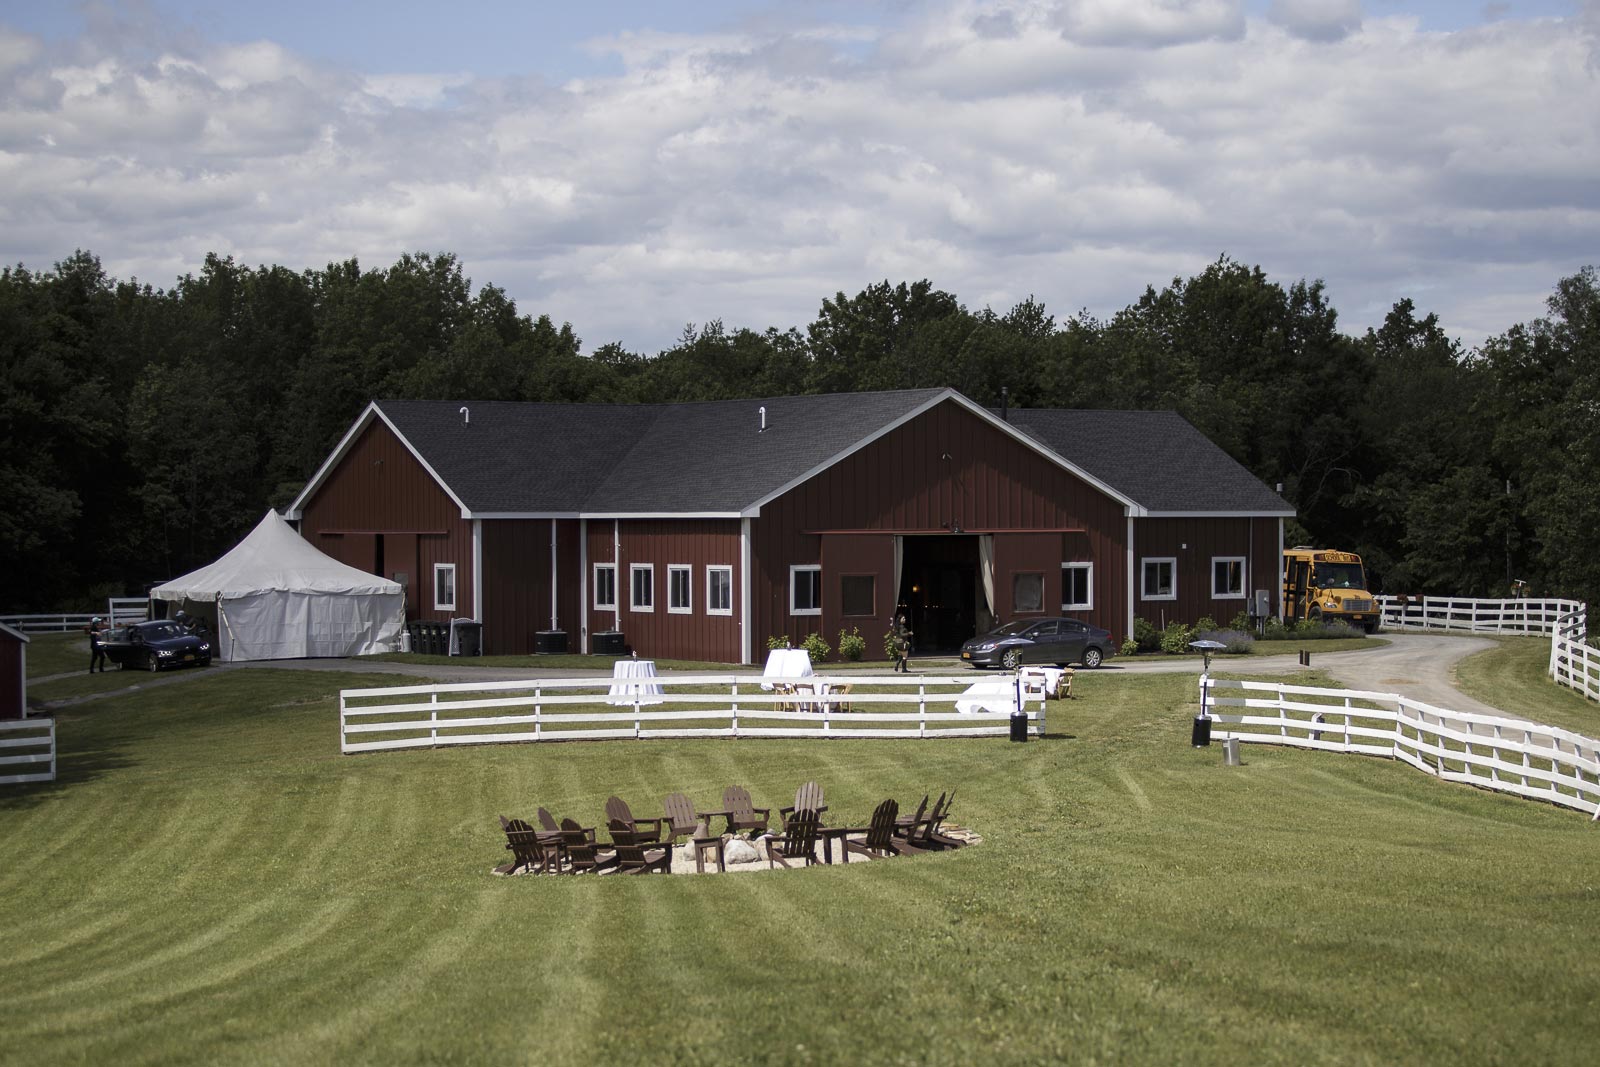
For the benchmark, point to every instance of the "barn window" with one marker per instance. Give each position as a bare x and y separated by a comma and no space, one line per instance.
1227,577
1160,580
805,589
1077,586
680,600
605,587
643,584
1027,593
444,586
858,594
719,590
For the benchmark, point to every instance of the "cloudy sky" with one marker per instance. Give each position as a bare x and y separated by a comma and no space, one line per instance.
632,167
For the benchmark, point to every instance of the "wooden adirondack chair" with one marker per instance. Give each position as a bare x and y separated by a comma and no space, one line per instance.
681,817
807,798
530,849
880,842
634,854
936,820
741,815
923,833
548,821
586,854
617,809
798,842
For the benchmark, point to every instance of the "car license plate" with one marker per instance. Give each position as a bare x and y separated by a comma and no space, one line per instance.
966,655
188,655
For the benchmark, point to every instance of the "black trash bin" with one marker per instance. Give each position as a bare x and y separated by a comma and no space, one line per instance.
468,637
609,643
414,637
1200,736
433,639
1019,726
550,643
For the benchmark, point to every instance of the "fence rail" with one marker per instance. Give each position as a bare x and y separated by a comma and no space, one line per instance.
47,623
27,743
1575,663
718,705
1476,616
1488,751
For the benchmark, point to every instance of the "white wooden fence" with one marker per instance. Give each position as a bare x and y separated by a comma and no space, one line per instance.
1573,661
731,706
46,623
1477,616
1490,752
28,743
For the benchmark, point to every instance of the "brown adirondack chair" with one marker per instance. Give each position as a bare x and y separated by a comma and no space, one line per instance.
807,798
923,833
741,815
635,854
530,849
936,820
586,854
681,817
880,842
798,841
548,822
617,809
903,824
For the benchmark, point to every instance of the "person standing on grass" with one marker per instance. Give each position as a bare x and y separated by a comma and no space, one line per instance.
97,651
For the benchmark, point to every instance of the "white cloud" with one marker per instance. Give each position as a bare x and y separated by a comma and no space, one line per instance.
746,176
1317,20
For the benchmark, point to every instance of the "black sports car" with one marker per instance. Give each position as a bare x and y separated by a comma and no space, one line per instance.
1060,641
154,645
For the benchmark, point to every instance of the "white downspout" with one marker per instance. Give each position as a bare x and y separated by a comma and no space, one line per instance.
616,564
554,622
744,591
1130,576
477,572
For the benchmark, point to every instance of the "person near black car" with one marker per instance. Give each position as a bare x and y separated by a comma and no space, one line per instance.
97,653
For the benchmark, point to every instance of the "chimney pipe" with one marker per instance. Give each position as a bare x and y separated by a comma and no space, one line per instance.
762,411
1005,404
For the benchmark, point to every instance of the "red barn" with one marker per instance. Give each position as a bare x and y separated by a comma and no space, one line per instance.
13,673
699,530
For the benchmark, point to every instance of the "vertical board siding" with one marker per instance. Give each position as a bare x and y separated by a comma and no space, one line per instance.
904,483
1193,542
660,634
516,580
379,487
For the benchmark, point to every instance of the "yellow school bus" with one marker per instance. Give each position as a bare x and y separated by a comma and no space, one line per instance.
1325,583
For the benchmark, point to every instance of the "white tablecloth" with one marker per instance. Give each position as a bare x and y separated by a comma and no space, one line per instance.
787,664
999,695
1048,678
624,692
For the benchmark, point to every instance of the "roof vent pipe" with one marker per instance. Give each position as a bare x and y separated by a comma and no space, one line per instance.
466,416
762,411
1005,404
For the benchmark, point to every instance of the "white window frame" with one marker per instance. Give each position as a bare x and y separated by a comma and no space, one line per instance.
1144,573
711,601
795,569
1088,585
450,569
1244,582
687,570
634,570
605,605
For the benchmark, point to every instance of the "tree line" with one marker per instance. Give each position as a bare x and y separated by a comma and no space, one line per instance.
145,430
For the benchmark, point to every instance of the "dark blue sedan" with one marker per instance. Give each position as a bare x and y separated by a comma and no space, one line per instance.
1059,641
154,645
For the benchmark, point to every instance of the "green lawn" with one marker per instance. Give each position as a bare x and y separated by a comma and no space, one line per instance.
210,881
1514,676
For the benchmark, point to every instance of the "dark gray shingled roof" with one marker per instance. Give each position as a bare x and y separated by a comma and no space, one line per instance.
709,457
1157,458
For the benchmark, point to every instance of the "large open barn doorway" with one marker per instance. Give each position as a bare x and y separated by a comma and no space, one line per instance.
939,591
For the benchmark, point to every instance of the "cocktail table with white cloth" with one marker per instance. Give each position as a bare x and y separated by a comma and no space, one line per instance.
629,686
786,664
1050,679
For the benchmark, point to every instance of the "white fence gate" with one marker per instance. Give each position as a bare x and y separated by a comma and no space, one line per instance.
1487,751
731,706
1476,616
27,743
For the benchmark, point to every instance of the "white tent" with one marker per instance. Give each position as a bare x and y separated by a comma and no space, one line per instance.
277,597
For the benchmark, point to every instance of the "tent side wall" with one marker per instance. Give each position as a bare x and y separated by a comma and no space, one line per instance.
294,625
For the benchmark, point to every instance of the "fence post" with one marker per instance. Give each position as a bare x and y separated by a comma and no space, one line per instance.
1044,700
1494,765
538,714
734,728
636,695
433,717
343,748
1527,739
922,707
52,748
